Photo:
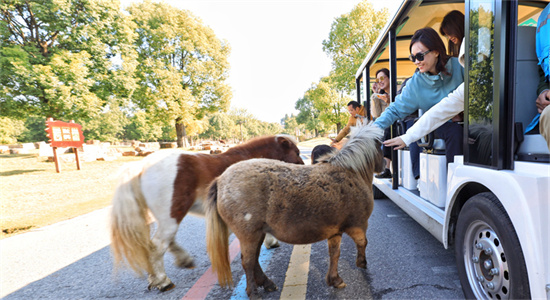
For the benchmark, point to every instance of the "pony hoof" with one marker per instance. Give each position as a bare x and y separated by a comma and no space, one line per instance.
271,287
336,282
254,295
361,264
273,246
189,265
341,285
186,264
168,287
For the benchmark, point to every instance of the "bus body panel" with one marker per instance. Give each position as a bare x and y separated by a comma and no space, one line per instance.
525,196
523,188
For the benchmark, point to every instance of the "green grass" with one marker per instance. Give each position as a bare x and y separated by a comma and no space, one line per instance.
33,195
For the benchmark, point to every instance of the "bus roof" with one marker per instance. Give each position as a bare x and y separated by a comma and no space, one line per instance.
413,15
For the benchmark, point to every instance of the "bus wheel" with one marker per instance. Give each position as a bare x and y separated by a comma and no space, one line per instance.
488,254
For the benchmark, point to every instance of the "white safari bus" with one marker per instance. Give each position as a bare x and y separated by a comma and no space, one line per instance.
492,207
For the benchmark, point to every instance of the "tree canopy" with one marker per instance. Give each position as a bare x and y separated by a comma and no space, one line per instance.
351,37
183,65
151,72
56,58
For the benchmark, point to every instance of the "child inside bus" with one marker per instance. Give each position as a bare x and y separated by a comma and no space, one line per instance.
437,76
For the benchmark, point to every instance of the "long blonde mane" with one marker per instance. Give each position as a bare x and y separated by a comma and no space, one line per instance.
361,151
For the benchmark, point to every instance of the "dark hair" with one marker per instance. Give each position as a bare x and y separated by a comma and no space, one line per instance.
355,104
429,38
383,70
453,24
318,151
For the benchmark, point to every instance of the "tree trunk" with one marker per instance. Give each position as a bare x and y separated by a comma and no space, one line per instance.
181,134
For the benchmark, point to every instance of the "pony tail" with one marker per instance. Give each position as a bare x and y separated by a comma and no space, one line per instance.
217,238
130,232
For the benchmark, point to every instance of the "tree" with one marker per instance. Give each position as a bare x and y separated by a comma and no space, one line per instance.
56,58
35,130
291,126
330,103
309,116
182,66
10,129
140,127
350,39
108,125
222,126
237,123
481,66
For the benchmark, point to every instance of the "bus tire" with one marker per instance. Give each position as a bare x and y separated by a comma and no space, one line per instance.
489,258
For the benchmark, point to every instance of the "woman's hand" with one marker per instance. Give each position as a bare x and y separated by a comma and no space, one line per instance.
384,97
543,100
375,88
397,142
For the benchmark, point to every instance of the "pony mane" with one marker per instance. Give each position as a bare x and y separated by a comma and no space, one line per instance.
361,151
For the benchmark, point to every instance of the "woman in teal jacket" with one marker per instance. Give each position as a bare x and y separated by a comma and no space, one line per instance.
437,76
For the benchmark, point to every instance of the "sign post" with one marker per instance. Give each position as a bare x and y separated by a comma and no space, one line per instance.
63,134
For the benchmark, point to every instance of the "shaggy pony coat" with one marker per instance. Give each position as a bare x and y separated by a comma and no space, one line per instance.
169,186
296,204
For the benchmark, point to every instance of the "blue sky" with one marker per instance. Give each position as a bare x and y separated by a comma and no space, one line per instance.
276,47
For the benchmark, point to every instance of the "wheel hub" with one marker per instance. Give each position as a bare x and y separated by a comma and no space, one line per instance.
486,263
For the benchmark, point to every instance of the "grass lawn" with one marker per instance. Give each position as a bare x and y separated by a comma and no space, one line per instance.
33,195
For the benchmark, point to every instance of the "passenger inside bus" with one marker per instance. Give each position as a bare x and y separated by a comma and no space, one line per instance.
452,27
437,76
379,100
357,117
543,106
434,117
543,91
454,103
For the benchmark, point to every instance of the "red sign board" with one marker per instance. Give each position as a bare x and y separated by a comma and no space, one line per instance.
63,134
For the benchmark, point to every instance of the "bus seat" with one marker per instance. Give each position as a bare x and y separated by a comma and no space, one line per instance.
527,76
533,147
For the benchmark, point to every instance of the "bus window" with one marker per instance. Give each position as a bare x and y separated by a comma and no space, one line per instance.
480,87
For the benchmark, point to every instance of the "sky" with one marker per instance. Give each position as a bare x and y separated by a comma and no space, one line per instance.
276,47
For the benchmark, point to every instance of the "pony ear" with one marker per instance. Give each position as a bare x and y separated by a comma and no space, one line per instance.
284,142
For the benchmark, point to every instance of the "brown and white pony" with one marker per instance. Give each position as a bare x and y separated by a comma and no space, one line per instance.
169,186
296,204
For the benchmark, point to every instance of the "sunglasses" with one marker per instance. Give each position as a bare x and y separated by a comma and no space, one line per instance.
419,56
378,80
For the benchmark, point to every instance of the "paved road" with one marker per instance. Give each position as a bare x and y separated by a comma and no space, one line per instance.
72,260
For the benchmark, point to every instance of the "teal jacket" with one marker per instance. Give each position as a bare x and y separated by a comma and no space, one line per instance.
422,92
